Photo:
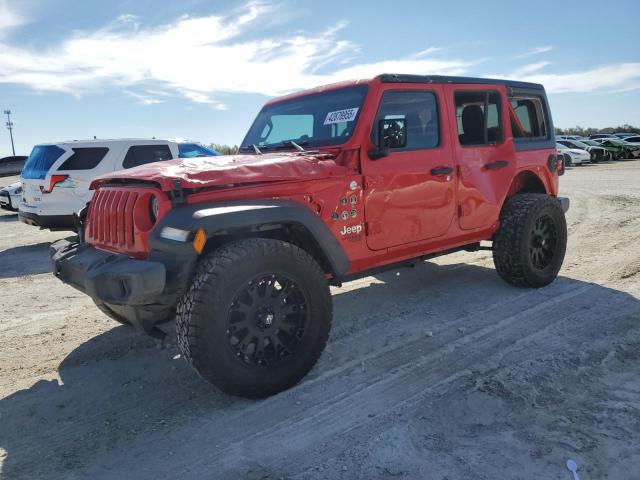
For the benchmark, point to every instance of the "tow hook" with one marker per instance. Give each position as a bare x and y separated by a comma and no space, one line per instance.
177,194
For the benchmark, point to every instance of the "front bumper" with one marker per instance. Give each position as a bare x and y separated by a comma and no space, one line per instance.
145,292
564,203
109,277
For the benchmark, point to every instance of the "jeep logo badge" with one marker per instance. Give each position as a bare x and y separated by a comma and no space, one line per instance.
354,230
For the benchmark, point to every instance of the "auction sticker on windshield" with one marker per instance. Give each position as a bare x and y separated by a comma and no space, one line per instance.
338,116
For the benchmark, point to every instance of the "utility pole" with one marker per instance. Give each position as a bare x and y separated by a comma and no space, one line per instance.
10,128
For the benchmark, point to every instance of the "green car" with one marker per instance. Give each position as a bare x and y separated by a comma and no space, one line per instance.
616,146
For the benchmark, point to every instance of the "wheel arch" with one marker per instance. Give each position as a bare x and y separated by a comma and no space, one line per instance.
278,219
525,181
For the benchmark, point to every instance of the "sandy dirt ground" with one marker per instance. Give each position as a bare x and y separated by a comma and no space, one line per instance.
440,372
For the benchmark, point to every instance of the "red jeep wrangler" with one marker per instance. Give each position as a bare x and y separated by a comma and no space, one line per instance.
329,184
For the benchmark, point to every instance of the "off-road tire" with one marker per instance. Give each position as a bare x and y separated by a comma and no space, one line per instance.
204,312
514,241
110,313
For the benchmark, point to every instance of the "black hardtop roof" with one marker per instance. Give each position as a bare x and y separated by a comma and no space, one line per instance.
406,78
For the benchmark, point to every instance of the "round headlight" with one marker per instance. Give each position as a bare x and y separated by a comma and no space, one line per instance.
153,209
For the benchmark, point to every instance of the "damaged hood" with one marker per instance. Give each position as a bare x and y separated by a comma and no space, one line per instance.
233,169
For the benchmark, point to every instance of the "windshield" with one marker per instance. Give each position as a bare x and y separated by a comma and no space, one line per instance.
40,161
327,118
191,150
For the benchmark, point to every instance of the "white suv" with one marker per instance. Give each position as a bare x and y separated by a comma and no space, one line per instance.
56,177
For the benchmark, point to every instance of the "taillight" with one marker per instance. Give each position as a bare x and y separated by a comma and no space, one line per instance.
55,179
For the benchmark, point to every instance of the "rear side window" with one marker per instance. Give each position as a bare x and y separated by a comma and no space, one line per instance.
478,118
84,158
40,161
418,109
528,118
141,154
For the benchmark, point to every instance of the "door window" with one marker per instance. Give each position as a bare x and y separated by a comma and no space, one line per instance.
418,109
142,154
478,118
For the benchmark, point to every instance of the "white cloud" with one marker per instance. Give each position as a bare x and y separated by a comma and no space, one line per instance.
535,51
204,58
199,57
621,76
528,69
9,18
144,99
427,51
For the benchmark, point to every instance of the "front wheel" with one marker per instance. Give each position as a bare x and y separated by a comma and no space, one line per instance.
529,247
256,317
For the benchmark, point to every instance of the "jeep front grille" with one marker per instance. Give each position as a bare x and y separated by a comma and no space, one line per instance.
121,218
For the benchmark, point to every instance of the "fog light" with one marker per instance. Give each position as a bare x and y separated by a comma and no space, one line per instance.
175,234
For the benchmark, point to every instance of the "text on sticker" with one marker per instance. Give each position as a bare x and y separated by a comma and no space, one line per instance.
338,116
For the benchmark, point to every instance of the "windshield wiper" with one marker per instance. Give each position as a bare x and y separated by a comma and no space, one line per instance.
253,147
289,143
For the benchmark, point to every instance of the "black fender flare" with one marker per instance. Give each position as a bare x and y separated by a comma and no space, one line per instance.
221,218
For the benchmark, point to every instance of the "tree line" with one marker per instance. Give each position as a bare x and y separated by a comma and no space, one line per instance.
585,132
224,149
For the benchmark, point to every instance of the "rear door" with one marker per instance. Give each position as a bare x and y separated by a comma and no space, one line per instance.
486,159
409,194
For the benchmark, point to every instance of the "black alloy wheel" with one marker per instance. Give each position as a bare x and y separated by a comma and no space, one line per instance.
544,238
266,320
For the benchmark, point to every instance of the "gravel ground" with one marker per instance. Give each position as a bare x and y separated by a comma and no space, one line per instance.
437,372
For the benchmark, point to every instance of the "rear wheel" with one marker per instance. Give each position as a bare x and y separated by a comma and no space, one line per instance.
529,248
256,317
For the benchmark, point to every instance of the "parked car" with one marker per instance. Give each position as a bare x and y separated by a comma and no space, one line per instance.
12,165
620,148
595,136
624,135
596,153
632,148
56,177
10,196
592,143
576,156
331,184
635,139
568,137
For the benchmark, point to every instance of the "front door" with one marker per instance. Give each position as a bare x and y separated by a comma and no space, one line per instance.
486,159
410,193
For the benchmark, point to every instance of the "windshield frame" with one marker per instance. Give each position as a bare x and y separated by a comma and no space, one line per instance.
246,144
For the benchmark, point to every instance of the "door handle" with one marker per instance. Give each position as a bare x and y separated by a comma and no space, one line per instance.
496,165
441,171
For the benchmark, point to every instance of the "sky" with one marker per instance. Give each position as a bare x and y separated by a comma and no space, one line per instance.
202,69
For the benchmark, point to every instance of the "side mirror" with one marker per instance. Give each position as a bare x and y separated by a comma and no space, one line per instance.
392,133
